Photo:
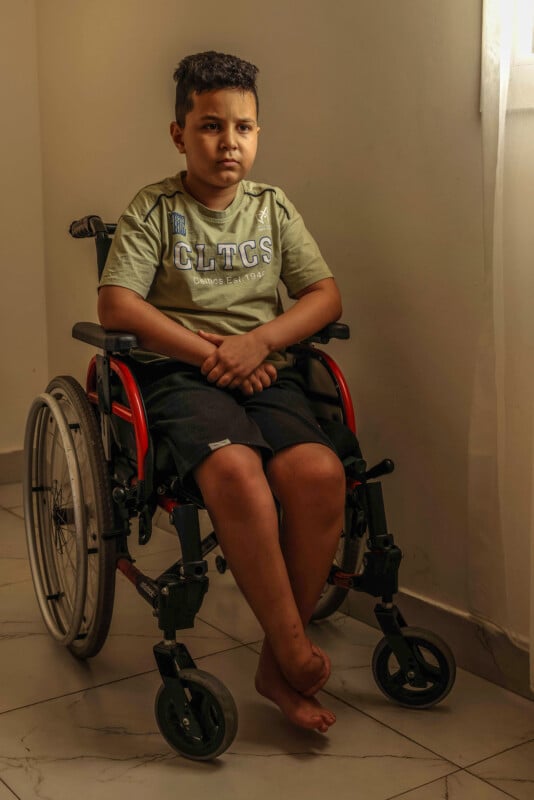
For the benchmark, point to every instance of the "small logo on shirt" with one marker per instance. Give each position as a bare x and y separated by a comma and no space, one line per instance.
177,222
263,215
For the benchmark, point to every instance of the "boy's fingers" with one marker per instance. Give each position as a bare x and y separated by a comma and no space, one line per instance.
257,385
214,338
208,365
246,387
224,381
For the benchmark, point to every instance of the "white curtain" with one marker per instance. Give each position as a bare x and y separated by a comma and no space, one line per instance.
494,551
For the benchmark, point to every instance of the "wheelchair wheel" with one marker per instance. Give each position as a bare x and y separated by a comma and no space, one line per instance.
209,724
435,661
348,558
67,509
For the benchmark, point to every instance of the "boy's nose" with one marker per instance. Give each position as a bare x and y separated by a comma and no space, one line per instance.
228,141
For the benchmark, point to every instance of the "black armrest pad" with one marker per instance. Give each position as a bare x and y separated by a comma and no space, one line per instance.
336,330
110,341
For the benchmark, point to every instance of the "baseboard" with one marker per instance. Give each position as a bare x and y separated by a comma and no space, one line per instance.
478,647
11,466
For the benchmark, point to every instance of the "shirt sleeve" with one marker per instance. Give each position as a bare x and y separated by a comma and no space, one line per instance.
135,253
302,262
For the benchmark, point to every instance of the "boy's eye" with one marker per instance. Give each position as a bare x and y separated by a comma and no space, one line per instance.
211,126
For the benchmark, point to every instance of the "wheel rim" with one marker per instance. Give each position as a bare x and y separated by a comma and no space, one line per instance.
433,665
91,533
208,724
208,715
55,519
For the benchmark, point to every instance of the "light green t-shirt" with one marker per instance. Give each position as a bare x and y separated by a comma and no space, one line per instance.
217,271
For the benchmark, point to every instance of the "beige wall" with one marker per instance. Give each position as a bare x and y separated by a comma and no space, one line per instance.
23,368
519,358
370,121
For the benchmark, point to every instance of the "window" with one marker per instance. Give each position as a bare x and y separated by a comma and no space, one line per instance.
521,89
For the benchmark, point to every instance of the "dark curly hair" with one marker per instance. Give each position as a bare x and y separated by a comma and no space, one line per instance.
204,72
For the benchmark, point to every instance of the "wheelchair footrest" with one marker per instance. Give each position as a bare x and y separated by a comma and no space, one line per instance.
379,577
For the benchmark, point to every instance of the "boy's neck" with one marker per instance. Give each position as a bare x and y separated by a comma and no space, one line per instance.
209,196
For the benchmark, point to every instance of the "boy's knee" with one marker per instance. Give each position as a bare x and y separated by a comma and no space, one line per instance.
313,470
232,469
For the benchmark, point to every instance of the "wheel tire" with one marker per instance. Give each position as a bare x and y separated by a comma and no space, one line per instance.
434,658
348,558
214,709
67,505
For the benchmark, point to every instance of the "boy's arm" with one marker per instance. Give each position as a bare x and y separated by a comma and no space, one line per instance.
123,309
317,305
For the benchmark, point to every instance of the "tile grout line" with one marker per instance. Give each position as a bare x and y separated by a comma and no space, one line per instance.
488,783
422,786
500,753
106,683
489,758
8,787
445,778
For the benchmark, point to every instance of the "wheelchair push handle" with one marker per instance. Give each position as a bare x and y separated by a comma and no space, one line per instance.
89,226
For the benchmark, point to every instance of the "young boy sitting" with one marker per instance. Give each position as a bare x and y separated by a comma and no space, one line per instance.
194,271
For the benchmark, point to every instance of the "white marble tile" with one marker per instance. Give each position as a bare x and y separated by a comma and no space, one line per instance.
106,741
512,771
12,536
477,720
10,495
458,786
14,570
5,793
24,642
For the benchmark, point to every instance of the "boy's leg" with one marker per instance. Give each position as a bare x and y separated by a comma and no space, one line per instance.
242,509
309,482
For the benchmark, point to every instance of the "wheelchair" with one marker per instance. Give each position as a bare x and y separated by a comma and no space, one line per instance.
91,468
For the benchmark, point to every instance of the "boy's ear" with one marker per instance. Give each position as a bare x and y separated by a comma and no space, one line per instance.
177,136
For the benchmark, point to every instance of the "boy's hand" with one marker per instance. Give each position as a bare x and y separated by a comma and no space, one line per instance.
238,362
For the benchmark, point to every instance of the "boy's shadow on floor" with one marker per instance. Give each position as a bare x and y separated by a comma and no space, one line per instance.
263,728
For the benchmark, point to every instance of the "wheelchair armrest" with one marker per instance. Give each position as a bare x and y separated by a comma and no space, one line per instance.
110,341
336,330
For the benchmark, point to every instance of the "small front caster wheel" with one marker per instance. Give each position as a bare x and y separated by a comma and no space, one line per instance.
436,664
209,725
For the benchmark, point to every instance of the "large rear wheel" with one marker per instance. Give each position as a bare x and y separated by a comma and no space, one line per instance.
69,517
348,558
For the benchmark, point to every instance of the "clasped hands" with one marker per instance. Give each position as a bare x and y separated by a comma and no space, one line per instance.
238,362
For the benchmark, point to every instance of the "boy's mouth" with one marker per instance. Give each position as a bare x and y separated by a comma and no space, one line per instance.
228,162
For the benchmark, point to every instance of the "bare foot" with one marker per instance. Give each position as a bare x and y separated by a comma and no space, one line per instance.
310,675
306,712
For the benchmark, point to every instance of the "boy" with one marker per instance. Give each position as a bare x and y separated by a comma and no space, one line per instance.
193,272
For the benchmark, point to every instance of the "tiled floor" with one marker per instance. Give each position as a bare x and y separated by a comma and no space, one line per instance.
87,730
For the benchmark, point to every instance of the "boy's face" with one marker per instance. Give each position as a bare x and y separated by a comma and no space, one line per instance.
219,140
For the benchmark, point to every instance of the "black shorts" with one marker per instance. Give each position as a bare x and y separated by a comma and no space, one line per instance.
193,418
